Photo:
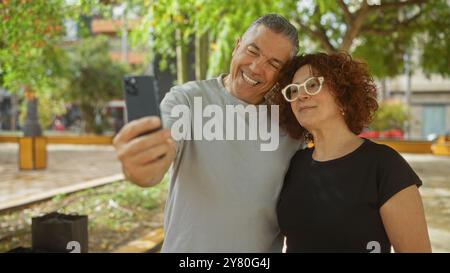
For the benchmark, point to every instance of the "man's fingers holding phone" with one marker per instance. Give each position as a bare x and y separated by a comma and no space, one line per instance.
147,141
151,155
136,128
144,168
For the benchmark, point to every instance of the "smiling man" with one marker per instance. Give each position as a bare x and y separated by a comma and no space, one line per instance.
222,194
257,60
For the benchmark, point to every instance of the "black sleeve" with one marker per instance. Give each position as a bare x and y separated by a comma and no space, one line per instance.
394,175
287,175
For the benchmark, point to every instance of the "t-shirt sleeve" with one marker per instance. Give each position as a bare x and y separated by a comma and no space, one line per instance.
395,174
175,97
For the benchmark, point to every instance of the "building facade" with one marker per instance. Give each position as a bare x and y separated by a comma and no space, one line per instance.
429,100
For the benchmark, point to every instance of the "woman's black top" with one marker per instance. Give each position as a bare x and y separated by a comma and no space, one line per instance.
334,206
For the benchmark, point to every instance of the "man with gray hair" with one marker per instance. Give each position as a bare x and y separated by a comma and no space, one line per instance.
222,194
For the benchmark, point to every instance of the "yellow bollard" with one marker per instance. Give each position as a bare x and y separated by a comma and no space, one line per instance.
441,146
32,153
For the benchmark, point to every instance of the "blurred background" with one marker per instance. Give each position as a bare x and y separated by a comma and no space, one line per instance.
62,62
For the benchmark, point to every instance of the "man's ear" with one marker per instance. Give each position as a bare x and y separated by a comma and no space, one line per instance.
238,43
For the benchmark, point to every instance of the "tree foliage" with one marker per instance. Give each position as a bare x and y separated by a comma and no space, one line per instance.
390,116
379,32
29,31
93,79
32,38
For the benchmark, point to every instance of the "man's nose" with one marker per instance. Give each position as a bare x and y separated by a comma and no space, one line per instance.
257,65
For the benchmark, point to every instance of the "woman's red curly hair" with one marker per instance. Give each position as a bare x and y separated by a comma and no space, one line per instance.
349,81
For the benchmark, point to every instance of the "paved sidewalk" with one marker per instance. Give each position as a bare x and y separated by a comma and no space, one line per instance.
435,174
68,166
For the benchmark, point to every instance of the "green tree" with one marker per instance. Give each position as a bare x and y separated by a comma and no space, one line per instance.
380,32
51,105
29,31
93,79
31,53
213,27
172,25
390,116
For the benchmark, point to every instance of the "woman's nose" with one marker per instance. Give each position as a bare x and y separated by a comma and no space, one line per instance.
303,95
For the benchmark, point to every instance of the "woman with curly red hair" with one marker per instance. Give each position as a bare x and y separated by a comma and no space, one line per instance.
346,193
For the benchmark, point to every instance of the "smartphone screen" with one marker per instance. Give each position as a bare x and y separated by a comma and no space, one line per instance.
141,97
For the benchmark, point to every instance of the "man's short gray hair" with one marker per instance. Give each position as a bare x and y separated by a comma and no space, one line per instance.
278,24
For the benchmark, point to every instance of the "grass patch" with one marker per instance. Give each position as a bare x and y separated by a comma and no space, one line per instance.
118,213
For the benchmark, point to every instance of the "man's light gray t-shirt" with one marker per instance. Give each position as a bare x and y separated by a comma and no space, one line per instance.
222,193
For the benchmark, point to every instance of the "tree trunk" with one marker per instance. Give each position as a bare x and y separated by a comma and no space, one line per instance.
182,69
88,115
354,28
384,91
32,127
14,111
201,55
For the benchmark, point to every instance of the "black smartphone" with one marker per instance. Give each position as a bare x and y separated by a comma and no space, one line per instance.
141,97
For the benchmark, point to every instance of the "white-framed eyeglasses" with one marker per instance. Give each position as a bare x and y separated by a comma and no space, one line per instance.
312,87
